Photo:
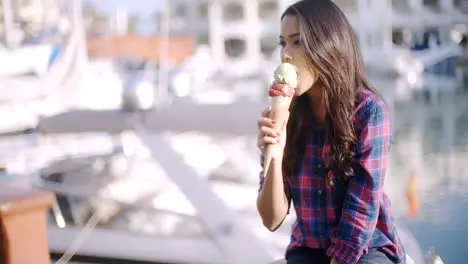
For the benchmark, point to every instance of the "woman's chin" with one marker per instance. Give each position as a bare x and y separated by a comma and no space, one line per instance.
298,91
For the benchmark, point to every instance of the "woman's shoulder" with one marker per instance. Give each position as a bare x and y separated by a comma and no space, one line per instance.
370,105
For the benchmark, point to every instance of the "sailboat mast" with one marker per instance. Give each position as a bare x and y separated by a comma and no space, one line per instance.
163,54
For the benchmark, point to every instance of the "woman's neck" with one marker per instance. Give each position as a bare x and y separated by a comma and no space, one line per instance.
317,106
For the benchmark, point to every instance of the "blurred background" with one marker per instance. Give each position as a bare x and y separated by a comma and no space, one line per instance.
140,116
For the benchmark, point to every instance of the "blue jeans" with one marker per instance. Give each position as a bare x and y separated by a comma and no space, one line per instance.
305,255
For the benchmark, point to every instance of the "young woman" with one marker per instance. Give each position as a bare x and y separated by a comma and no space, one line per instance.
331,159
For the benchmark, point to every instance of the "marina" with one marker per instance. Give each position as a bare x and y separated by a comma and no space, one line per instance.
174,180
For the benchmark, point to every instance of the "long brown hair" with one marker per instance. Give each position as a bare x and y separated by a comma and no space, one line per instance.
332,50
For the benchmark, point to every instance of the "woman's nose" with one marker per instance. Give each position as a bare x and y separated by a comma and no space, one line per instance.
285,56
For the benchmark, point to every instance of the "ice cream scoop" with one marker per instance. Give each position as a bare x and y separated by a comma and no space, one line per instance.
281,93
286,73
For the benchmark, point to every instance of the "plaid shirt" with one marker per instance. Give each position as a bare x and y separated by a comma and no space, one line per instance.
346,218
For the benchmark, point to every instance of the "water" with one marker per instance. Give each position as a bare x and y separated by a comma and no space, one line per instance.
435,148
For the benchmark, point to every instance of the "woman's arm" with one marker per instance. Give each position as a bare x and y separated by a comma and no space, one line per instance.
361,204
273,198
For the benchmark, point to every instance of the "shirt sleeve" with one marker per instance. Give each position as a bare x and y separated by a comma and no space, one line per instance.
361,204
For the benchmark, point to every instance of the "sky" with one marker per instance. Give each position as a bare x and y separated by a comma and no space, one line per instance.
142,8
139,7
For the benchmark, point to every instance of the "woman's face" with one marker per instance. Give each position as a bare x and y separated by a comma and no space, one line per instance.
293,52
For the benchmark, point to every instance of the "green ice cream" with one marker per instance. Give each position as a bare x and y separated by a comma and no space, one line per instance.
286,73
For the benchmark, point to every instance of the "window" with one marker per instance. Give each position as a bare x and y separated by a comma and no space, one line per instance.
180,11
203,10
268,45
398,37
233,12
268,10
203,39
400,5
434,5
234,47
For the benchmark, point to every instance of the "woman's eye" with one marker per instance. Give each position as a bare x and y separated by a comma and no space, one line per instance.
297,42
282,43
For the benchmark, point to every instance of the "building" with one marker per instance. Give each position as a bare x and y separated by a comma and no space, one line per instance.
249,28
233,29
420,16
142,48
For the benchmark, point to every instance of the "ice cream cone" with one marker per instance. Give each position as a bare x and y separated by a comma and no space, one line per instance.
280,113
281,94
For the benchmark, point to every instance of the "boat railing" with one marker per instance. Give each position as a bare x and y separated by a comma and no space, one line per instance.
227,238
99,232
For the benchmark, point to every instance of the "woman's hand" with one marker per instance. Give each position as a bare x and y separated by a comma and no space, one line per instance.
334,261
268,133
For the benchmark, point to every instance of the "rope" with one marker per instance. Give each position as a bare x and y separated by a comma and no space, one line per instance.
80,238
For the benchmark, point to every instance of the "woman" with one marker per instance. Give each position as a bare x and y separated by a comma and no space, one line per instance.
330,161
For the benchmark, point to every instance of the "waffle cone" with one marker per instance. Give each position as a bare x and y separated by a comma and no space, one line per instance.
279,110
280,102
280,113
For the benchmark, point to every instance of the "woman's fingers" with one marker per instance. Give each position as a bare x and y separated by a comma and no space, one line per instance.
262,142
268,131
265,121
266,112
270,140
267,136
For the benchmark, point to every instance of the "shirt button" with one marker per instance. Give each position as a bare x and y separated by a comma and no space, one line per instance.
320,166
319,192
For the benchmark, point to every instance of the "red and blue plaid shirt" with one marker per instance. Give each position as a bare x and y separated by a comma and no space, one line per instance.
346,217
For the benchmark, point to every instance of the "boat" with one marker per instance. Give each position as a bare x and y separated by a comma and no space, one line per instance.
108,210
175,214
